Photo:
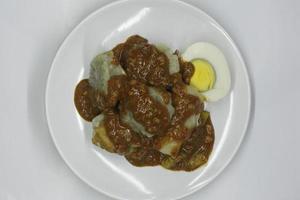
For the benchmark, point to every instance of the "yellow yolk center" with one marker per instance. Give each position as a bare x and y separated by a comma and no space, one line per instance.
204,76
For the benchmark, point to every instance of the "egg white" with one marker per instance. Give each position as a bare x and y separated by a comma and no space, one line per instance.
212,54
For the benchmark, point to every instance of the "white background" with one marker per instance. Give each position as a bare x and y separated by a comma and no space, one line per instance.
265,167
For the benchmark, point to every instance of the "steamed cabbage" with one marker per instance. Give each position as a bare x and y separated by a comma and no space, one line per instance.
102,70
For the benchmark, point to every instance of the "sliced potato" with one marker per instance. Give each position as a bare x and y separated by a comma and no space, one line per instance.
100,137
169,146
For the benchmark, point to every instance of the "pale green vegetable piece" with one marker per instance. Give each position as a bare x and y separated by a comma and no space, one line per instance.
192,122
162,47
97,120
156,95
128,118
196,160
168,162
100,137
204,116
169,146
102,70
173,62
174,66
136,126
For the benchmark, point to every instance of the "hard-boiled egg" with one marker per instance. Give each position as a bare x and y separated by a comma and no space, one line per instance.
211,76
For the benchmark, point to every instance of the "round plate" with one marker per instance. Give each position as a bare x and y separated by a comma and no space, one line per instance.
178,25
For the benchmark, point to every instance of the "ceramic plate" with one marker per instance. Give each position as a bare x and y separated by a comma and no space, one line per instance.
178,25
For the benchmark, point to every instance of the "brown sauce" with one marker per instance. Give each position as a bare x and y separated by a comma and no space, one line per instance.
187,70
86,102
150,113
146,67
116,90
185,105
194,152
142,156
121,134
143,61
196,149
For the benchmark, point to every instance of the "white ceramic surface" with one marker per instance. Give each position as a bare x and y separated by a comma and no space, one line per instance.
180,27
267,163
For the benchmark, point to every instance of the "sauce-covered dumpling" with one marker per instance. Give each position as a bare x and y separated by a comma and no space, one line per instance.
142,106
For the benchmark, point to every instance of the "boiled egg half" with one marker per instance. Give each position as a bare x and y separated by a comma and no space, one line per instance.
211,75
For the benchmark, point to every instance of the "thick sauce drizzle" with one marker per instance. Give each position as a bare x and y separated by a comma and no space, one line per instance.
146,67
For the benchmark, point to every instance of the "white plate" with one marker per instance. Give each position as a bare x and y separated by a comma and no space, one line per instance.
178,25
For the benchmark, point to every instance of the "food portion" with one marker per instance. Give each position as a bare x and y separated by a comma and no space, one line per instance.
212,75
146,102
142,61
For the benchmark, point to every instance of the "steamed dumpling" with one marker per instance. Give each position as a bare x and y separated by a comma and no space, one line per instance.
102,70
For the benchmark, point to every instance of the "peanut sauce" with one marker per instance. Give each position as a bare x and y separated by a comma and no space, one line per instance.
146,67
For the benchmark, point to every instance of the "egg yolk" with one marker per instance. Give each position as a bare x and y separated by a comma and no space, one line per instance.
204,76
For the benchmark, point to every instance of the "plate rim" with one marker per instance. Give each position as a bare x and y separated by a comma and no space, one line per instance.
239,55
